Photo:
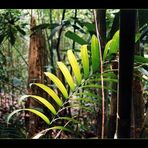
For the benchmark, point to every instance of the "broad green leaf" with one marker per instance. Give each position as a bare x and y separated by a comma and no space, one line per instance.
140,59
58,83
42,100
75,37
50,92
85,60
90,27
20,30
107,48
75,67
95,53
41,115
114,45
48,129
67,75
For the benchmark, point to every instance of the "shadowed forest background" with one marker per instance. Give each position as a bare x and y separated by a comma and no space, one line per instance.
59,74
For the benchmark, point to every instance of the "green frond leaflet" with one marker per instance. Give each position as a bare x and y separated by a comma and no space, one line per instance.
95,54
114,46
58,83
85,99
42,100
41,115
98,86
75,67
48,129
85,60
68,118
104,79
107,47
50,92
67,75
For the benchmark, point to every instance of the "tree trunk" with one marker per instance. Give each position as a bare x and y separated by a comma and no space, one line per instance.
138,102
101,20
37,61
126,60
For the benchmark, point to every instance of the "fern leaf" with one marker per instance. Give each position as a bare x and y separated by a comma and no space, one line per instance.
41,115
75,67
50,92
85,60
114,46
107,48
42,100
58,83
95,54
67,75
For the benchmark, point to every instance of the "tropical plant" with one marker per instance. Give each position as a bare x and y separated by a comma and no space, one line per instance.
86,74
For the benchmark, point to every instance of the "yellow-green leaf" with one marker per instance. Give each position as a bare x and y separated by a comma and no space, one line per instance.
107,47
75,67
85,60
50,92
114,46
95,53
67,75
42,100
58,83
41,115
